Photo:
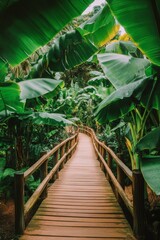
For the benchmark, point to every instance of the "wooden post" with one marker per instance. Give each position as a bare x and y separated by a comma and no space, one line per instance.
62,151
67,148
19,203
43,175
138,204
109,162
103,153
120,179
56,161
98,147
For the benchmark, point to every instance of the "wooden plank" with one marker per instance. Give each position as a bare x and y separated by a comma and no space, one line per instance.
77,219
80,224
29,237
76,231
80,204
75,214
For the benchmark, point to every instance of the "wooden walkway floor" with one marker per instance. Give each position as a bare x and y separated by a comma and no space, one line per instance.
80,204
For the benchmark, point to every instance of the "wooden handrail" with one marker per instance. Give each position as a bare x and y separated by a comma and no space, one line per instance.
22,210
45,157
136,208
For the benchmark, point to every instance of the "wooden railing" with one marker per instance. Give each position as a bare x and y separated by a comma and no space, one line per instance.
61,153
106,156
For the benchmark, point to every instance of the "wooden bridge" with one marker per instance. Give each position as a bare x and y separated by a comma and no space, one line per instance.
80,204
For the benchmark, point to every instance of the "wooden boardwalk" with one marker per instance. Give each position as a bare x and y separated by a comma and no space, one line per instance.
80,204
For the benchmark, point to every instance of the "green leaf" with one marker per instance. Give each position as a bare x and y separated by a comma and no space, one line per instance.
10,98
3,69
27,25
69,50
123,47
8,172
121,69
120,102
141,21
150,141
53,119
96,81
101,28
76,47
154,102
38,87
150,167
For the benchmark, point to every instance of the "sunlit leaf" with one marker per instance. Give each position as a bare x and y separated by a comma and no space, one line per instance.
101,28
141,21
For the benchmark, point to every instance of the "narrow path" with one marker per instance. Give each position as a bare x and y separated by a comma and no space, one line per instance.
80,204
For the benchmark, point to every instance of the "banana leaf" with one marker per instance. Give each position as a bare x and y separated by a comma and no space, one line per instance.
69,50
10,98
150,167
101,28
3,69
121,69
154,102
38,87
121,101
123,47
151,141
141,21
27,25
54,119
77,46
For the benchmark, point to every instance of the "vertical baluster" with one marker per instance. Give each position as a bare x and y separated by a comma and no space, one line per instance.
109,162
56,161
19,203
62,151
121,180
43,175
138,204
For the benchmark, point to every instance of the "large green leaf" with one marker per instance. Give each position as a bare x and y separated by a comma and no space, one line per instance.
151,141
3,69
69,50
150,167
141,21
38,87
27,25
54,119
10,98
121,69
101,28
123,47
120,102
75,47
154,102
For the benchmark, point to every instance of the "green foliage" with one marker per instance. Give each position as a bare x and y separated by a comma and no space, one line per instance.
10,98
147,143
150,167
27,25
121,101
77,46
101,28
141,21
39,87
121,69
